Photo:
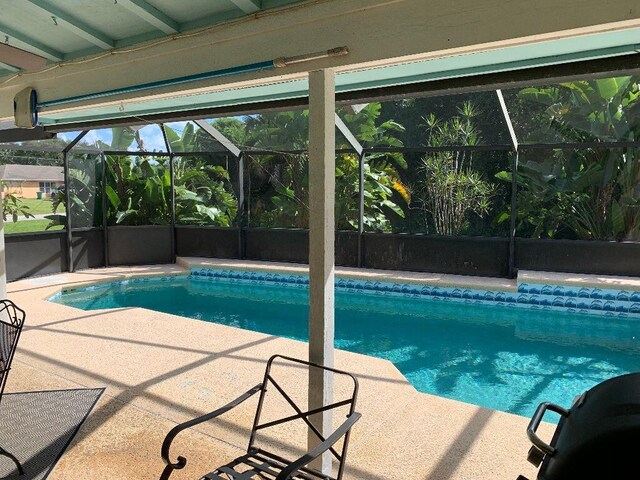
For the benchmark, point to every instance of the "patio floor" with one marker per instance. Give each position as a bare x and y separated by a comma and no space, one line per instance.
160,370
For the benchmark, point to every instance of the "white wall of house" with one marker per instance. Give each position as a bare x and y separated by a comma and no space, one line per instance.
30,188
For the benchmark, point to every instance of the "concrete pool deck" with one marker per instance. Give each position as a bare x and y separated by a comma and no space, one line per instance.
160,370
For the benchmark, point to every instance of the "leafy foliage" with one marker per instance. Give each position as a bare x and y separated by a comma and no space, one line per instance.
233,129
12,206
85,177
379,187
448,190
280,183
450,194
203,194
582,194
585,194
138,189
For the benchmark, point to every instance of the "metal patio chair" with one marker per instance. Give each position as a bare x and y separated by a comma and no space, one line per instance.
11,322
263,464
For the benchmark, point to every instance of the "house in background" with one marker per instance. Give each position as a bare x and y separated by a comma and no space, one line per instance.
27,180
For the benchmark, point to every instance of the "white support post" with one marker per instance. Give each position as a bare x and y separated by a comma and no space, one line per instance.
322,161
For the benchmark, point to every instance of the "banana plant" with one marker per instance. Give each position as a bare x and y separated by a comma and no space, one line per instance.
280,182
85,184
204,192
589,110
588,193
138,191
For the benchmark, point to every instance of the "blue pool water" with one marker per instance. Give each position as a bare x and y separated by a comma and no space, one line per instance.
502,357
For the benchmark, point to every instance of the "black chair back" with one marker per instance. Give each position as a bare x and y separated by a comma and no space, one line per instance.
292,393
11,322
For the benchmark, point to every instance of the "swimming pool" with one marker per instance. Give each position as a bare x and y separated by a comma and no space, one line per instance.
495,355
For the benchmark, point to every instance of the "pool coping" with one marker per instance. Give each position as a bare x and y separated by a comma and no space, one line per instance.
426,278
579,280
59,283
185,264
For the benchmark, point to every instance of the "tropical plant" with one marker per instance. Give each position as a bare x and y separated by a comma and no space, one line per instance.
280,190
280,181
233,129
449,194
85,183
85,177
12,206
366,126
138,190
379,188
588,193
449,191
384,191
588,110
204,193
141,193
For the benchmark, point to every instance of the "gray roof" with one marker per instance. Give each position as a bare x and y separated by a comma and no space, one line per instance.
40,173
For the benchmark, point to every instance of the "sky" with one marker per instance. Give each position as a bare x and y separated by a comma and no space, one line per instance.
151,136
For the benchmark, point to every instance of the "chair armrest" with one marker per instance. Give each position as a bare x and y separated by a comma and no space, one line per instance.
293,468
166,444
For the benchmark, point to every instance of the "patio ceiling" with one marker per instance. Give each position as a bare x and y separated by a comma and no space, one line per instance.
503,60
156,42
63,30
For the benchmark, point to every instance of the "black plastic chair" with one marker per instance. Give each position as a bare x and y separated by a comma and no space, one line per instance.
11,322
260,463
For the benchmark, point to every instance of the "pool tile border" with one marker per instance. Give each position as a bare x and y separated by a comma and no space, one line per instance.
607,302
610,302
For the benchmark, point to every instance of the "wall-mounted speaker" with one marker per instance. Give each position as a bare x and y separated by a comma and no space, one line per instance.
25,108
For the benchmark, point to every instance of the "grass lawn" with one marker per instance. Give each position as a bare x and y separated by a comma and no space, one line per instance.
25,226
38,207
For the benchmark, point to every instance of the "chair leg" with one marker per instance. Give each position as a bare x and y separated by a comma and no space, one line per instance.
14,459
